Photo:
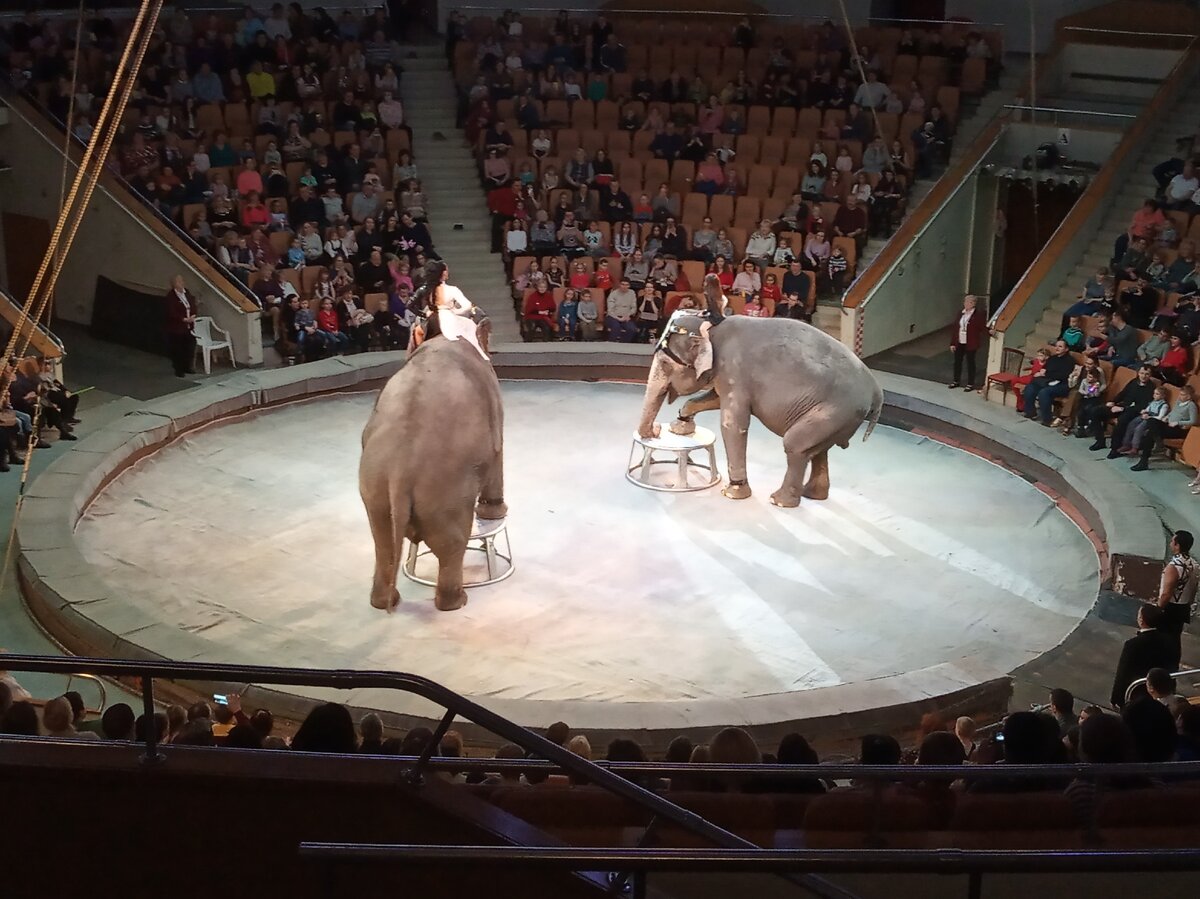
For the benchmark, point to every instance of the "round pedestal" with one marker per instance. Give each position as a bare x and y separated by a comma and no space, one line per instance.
495,565
665,463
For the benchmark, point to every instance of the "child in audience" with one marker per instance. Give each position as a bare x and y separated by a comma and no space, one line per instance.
295,255
836,267
581,278
555,276
1035,369
603,277
327,321
568,315
308,335
589,316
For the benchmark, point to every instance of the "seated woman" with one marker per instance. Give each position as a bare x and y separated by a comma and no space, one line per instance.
497,170
649,314
722,272
748,280
1082,400
538,313
710,177
354,321
637,270
1176,362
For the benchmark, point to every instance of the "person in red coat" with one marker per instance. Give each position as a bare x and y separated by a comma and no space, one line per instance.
537,312
181,317
966,334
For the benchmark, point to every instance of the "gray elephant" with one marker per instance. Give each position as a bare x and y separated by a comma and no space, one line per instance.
798,381
432,460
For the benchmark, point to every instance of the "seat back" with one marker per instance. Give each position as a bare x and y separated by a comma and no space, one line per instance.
202,328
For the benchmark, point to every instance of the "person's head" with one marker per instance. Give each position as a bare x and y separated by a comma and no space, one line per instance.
176,718
117,722
328,728
679,750
263,723
21,720
623,750
941,748
734,746
1062,702
1181,542
199,710
964,729
794,749
558,733
1059,348
1024,739
1159,683
879,749
197,732
158,721
57,716
243,736
1153,730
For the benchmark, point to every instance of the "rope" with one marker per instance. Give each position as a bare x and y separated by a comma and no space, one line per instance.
1033,72
62,187
108,123
862,72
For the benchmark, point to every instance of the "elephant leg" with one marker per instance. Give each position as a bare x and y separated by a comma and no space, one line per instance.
449,544
808,440
817,486
387,530
491,505
685,424
735,423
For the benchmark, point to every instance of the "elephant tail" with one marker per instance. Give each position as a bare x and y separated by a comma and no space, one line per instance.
873,414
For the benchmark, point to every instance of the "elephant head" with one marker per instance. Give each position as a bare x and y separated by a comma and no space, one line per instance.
682,365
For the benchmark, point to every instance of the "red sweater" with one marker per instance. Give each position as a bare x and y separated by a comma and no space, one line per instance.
539,307
327,320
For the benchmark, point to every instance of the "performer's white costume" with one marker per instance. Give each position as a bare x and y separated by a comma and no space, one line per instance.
454,310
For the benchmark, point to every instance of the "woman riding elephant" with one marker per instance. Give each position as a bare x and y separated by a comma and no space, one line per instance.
447,310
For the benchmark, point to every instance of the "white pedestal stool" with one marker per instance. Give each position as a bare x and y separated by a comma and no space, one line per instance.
485,534
674,450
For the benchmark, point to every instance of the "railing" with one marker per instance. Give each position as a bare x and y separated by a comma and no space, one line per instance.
41,340
640,863
1141,681
1057,255
455,705
234,290
1061,111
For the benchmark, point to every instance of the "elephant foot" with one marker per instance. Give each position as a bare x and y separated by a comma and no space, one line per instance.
451,602
816,491
491,510
785,499
684,427
736,490
386,601
654,430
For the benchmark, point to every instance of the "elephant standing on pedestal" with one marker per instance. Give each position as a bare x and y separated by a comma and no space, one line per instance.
433,460
796,379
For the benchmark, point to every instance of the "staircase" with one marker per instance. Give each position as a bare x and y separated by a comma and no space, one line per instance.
1133,192
974,117
450,178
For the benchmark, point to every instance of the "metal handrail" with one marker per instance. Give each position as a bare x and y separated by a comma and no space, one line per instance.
526,10
1110,115
1121,31
99,684
635,865
1183,672
40,327
455,705
879,861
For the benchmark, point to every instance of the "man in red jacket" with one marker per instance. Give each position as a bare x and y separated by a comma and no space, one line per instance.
966,336
502,202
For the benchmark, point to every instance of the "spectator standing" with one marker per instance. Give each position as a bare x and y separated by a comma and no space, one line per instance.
181,320
1177,592
967,334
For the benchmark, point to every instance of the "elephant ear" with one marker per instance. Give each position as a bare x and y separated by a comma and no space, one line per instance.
703,360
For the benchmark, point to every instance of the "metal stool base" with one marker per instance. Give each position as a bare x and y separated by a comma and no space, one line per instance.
680,449
484,537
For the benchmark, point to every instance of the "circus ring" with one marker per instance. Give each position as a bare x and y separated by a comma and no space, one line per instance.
223,525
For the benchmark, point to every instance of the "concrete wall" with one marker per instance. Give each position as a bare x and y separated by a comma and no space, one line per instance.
111,241
926,287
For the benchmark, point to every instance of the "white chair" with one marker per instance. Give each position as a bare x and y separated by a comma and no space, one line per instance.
204,329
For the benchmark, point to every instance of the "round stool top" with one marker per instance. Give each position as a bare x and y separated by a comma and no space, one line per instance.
702,437
487,527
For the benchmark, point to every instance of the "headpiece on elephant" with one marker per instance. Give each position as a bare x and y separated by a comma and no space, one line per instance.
685,342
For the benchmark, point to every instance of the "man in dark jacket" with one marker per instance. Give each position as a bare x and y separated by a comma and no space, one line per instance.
1149,648
1125,408
307,208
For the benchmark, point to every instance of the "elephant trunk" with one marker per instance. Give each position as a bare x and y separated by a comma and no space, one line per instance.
658,386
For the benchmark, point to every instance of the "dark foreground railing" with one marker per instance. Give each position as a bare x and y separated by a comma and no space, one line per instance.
640,863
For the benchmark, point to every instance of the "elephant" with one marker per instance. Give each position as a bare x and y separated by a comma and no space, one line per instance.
433,460
798,381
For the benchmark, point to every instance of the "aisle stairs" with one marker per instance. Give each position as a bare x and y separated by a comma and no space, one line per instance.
458,216
1132,193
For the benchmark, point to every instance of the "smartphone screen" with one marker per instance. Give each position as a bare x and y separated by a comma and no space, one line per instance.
220,699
